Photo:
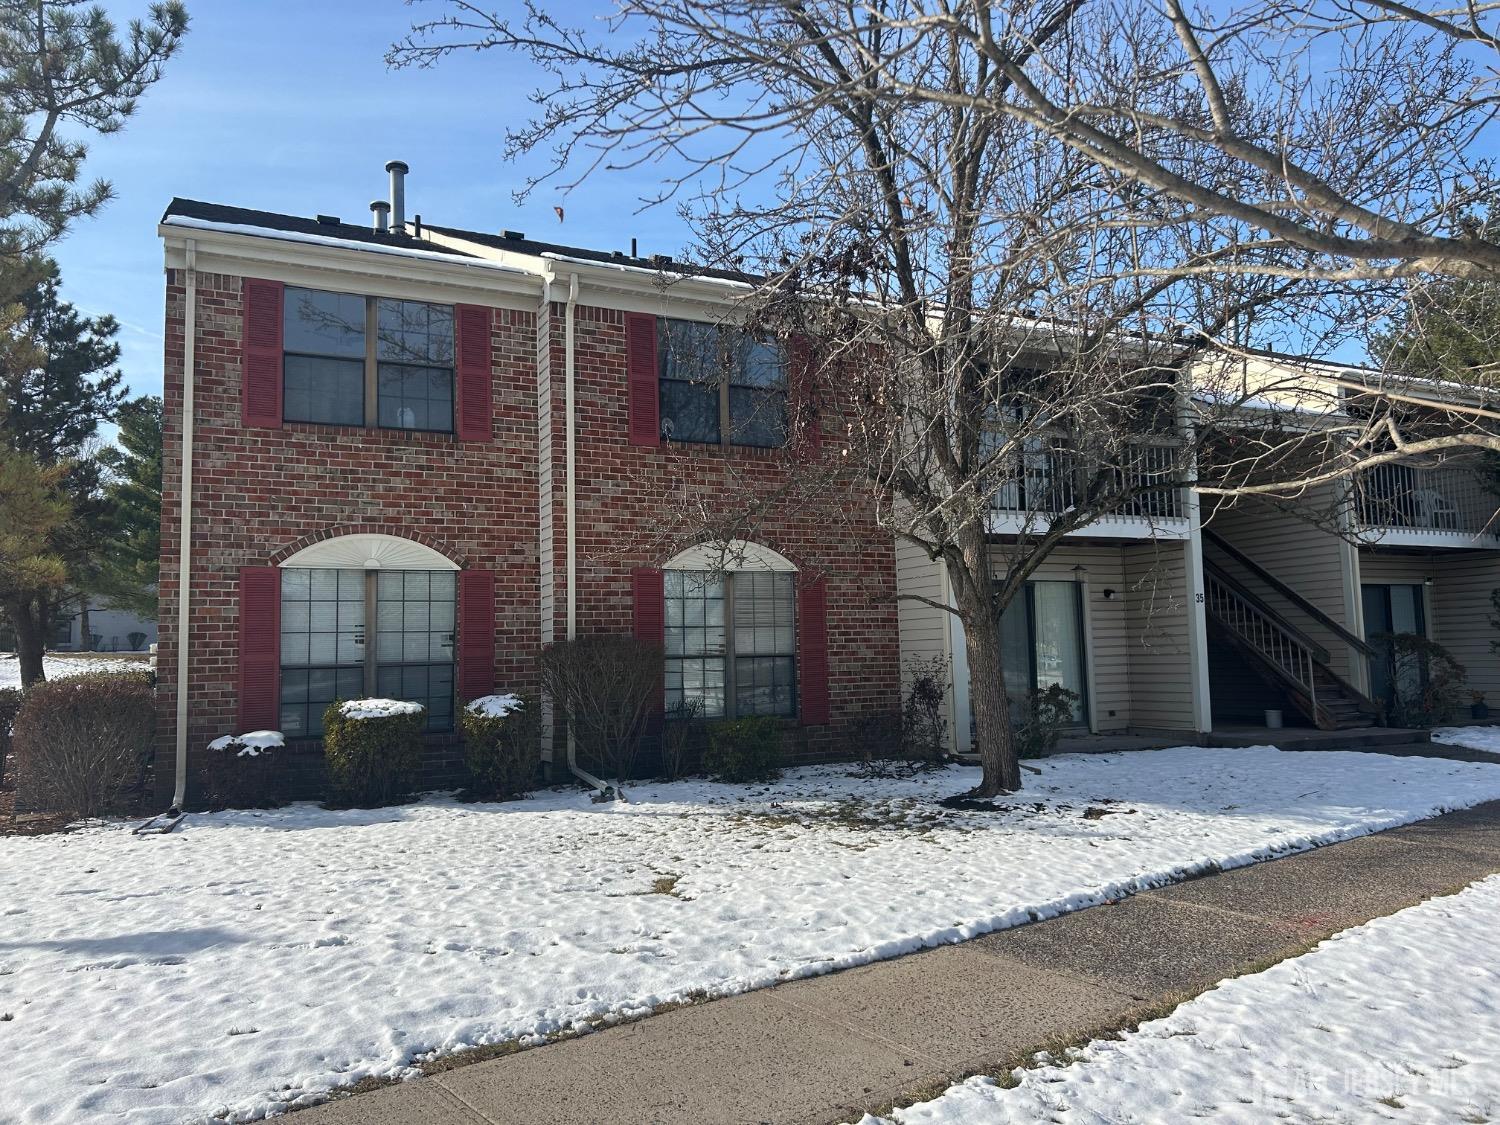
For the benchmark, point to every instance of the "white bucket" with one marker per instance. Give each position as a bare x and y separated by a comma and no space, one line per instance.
1273,719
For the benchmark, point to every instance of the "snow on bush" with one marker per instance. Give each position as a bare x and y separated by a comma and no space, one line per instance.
502,746
373,750
378,708
249,745
493,706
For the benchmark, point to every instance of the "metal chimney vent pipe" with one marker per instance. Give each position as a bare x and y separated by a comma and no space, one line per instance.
380,212
398,170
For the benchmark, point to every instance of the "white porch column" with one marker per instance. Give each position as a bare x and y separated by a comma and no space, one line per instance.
958,655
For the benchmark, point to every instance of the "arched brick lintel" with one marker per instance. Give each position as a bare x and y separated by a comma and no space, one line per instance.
397,530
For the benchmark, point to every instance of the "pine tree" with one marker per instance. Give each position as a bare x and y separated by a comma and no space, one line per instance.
66,73
134,498
58,384
34,512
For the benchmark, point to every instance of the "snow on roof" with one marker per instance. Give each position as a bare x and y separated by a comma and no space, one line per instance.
448,257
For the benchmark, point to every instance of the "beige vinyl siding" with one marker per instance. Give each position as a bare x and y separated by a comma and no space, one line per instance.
1158,636
924,634
1307,558
1459,603
1105,644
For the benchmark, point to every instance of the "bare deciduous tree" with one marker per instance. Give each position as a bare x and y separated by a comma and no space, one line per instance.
1015,229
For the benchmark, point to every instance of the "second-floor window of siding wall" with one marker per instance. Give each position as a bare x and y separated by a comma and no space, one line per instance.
357,361
719,384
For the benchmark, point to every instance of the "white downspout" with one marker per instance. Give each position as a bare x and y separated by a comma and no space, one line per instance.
571,456
185,523
570,511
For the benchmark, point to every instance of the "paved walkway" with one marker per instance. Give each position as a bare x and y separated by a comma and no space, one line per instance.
827,1049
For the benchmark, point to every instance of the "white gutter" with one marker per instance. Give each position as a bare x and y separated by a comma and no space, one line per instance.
570,511
185,523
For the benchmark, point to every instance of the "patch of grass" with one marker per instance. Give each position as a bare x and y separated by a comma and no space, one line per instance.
665,885
1392,1100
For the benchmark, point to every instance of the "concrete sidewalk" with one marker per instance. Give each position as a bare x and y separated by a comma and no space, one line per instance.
830,1048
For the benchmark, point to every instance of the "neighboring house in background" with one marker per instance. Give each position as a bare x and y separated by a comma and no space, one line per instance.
421,454
1189,616
110,630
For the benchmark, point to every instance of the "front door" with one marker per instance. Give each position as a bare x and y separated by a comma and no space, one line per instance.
1390,609
1041,637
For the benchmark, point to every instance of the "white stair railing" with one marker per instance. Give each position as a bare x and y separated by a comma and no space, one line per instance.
1262,633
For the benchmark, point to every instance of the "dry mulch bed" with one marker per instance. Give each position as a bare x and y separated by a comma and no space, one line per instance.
26,824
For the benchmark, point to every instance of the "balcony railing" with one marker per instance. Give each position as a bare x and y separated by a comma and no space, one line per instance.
1426,498
1053,479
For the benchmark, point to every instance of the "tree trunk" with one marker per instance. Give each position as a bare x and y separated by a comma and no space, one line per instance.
30,639
988,700
85,638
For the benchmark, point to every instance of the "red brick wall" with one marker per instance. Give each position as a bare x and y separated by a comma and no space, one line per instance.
625,522
261,493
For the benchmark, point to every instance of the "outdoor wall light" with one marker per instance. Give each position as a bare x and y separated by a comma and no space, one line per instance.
1429,581
1109,594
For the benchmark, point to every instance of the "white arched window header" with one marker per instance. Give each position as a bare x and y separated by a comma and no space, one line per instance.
737,554
370,552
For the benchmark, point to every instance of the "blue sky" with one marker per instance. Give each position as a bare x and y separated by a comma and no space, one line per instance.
289,107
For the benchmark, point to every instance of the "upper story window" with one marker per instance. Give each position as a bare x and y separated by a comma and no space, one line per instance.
367,361
720,385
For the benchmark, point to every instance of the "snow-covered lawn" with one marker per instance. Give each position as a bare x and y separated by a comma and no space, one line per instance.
60,664
253,960
1398,1019
1486,739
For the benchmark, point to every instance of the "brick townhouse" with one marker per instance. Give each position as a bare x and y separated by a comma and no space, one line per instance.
418,455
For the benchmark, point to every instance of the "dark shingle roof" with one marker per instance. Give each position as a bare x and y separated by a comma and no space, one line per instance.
297,224
521,245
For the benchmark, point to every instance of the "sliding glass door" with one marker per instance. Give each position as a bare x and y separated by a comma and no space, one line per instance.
1391,609
1041,637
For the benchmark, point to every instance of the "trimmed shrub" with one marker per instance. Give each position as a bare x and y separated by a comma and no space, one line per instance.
502,745
373,751
605,685
241,771
744,749
82,744
10,707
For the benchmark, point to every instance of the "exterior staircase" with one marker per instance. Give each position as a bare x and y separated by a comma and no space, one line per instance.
1280,653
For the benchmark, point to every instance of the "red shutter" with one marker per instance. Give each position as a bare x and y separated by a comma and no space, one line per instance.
474,372
260,361
641,372
260,648
807,433
812,649
648,592
476,633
